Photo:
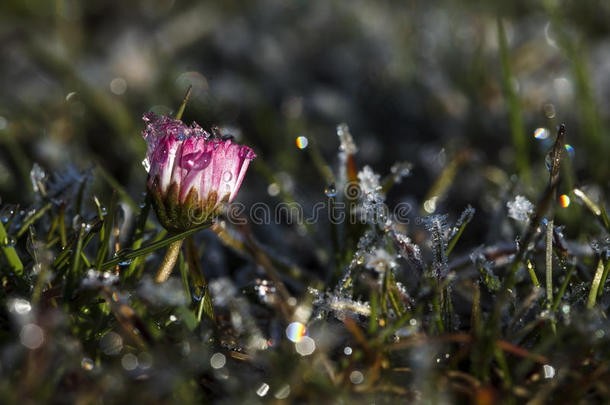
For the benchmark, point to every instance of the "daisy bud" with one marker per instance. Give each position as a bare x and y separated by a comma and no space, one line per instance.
190,173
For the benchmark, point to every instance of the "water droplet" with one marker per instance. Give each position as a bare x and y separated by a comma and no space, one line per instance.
330,191
31,336
347,350
564,200
87,364
126,262
283,392
273,189
129,362
541,133
227,176
296,331
218,360
146,164
305,346
549,371
302,142
262,390
9,241
356,377
7,213
196,160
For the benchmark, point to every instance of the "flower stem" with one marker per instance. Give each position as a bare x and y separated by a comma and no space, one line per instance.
169,261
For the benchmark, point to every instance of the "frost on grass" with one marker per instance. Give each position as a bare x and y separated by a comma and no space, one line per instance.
372,208
485,267
380,260
520,209
437,226
464,218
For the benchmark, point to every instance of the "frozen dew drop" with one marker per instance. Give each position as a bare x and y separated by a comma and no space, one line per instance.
302,142
218,360
570,150
262,390
356,377
87,364
330,191
305,346
564,200
31,336
296,331
549,371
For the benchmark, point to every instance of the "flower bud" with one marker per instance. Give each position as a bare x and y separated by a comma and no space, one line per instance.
190,173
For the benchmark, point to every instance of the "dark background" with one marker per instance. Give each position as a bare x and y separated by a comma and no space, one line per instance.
415,81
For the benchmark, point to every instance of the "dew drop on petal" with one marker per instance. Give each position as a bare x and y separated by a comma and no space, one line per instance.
302,142
196,160
227,176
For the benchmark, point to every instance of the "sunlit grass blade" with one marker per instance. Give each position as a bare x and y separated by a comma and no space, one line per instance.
595,284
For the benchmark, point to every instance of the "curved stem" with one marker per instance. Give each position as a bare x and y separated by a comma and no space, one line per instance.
168,261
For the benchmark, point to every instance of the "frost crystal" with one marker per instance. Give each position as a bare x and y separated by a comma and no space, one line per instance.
347,141
38,177
437,226
520,208
97,279
464,218
373,207
400,170
408,249
380,260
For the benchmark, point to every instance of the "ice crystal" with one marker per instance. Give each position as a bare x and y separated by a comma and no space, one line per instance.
38,177
373,209
380,260
407,249
520,208
437,226
464,218
400,170
97,279
345,138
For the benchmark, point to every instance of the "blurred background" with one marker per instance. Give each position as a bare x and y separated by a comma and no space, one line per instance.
436,84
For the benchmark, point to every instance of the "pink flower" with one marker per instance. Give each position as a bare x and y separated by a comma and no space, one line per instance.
190,173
